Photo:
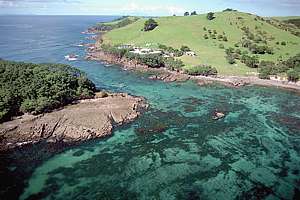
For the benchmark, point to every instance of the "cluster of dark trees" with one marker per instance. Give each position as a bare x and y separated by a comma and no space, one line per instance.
123,21
38,88
213,34
150,25
151,60
291,25
296,22
229,10
175,52
157,61
202,70
192,13
236,54
290,66
253,43
210,16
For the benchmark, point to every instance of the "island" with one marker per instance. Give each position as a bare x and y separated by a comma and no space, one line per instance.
57,103
229,47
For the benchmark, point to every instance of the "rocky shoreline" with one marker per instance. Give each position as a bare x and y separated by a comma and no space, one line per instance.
81,121
94,53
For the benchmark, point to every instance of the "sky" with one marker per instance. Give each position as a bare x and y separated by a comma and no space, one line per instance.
147,7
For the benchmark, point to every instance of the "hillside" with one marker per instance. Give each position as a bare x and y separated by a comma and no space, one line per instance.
176,31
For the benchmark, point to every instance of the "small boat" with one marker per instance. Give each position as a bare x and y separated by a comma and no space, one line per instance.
71,57
80,45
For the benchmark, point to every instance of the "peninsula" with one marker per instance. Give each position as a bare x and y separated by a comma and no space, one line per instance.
57,103
229,47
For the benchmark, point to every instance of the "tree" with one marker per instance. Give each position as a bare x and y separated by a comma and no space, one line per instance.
39,88
250,61
151,60
283,43
264,73
229,10
173,64
194,13
150,25
186,14
185,49
203,70
230,59
210,16
293,75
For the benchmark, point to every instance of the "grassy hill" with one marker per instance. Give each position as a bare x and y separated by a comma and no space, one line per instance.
176,31
286,18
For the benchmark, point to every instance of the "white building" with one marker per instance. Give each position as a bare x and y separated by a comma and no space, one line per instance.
190,53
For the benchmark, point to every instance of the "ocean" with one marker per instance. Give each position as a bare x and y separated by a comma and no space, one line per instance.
174,151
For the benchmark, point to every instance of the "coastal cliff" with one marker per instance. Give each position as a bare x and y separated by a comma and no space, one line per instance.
84,120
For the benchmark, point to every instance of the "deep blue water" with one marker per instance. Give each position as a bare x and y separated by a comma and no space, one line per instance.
174,151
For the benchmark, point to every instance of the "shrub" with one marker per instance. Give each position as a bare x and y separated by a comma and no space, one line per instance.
194,13
176,52
203,70
210,16
225,39
230,59
220,37
150,25
151,60
204,28
267,68
245,52
230,50
173,64
238,51
264,73
185,48
205,36
250,61
221,46
283,43
186,14
293,75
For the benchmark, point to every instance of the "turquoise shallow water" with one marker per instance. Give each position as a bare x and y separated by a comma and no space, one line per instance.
175,150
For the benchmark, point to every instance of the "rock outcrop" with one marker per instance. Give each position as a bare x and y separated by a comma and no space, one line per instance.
84,120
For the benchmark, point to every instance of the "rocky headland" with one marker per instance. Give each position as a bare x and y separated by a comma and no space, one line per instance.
81,121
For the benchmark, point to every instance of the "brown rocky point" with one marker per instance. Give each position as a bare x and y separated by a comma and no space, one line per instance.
84,120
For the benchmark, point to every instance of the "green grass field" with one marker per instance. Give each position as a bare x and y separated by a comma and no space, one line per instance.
178,31
119,20
286,18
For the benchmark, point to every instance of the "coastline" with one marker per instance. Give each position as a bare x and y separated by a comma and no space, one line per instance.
82,121
94,53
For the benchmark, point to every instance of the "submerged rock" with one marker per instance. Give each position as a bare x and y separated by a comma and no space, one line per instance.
218,115
87,119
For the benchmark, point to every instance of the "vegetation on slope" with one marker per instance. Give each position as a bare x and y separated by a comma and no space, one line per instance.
247,34
37,88
118,23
